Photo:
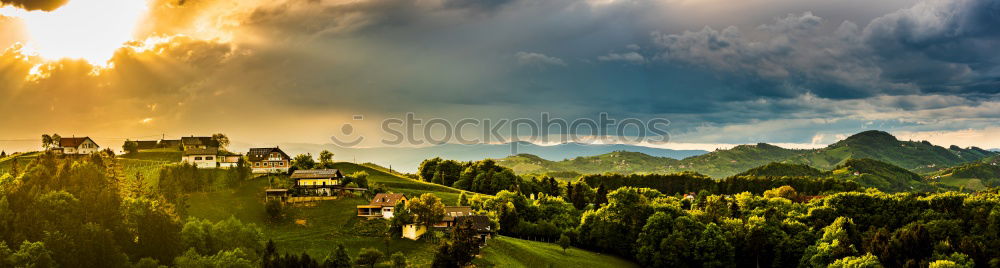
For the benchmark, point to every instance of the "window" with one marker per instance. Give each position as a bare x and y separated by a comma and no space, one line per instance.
257,164
197,158
209,158
281,164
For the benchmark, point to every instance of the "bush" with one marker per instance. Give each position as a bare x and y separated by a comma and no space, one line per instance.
369,257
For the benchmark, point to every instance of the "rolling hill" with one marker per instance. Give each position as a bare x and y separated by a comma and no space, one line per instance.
915,156
973,176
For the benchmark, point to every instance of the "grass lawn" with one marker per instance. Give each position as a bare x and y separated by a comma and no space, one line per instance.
504,251
23,159
969,184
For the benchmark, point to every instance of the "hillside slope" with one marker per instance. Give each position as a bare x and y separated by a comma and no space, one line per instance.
512,252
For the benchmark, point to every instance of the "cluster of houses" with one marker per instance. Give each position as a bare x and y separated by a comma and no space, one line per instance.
205,152
383,206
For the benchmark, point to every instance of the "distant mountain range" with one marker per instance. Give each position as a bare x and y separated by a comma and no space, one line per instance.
918,157
408,159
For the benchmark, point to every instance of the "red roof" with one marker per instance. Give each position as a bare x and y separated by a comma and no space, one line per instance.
73,142
386,200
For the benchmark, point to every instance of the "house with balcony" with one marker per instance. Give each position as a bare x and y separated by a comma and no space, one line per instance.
268,160
382,206
320,181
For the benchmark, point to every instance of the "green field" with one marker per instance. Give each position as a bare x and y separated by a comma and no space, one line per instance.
511,252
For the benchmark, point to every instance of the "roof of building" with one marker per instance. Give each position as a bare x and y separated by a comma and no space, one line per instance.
481,223
317,174
145,145
195,141
260,154
199,151
74,142
387,200
450,213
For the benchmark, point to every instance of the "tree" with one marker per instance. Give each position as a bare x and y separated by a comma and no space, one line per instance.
46,141
427,209
269,255
564,242
56,139
399,260
369,257
360,178
339,259
461,250
220,139
3,154
786,192
463,200
130,147
273,209
326,159
401,217
303,162
866,261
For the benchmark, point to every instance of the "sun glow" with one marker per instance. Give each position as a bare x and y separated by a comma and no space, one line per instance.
91,30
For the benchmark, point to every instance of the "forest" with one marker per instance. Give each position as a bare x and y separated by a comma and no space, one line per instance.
690,220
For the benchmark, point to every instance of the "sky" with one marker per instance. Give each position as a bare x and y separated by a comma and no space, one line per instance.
799,72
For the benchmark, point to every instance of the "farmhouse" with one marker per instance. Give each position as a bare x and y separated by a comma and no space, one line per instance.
268,160
201,158
480,223
320,181
383,205
77,146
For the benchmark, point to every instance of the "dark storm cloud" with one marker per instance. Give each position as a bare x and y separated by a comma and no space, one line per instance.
44,5
935,46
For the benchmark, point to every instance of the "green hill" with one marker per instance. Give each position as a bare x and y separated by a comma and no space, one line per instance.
882,175
775,169
511,252
972,176
917,156
911,155
619,162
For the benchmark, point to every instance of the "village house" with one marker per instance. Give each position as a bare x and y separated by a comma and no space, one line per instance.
201,158
481,223
383,205
451,214
320,181
268,160
77,146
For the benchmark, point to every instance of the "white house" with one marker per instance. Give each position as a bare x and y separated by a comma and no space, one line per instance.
201,158
382,206
74,145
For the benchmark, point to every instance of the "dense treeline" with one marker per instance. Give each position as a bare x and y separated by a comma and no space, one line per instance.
689,182
746,230
81,212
